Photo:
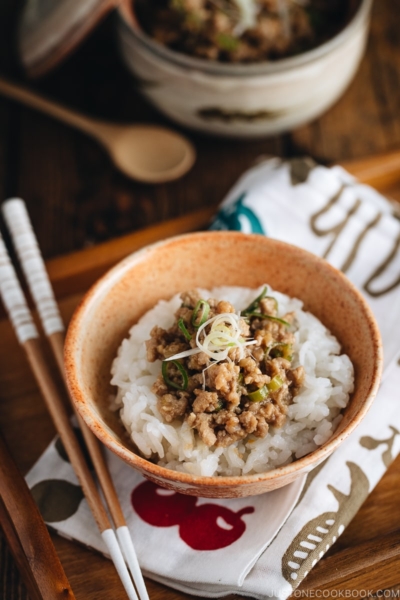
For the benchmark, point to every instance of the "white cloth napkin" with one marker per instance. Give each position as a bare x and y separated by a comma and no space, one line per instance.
264,546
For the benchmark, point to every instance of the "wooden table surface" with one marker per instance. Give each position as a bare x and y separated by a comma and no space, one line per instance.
77,199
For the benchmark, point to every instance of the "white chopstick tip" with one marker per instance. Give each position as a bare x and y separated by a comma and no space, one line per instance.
128,549
115,552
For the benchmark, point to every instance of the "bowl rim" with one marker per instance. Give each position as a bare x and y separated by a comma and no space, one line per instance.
127,19
307,462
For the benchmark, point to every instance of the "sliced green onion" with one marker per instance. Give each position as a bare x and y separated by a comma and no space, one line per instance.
263,316
193,20
259,395
200,313
275,384
178,5
182,371
219,406
227,42
281,350
184,330
251,308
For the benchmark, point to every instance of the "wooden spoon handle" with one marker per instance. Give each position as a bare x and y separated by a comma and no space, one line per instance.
53,109
27,536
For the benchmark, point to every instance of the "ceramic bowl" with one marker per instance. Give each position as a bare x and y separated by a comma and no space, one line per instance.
247,100
206,260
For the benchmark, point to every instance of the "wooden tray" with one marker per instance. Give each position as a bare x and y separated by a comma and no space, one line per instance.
365,558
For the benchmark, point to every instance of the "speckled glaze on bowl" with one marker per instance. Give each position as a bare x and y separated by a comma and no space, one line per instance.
243,100
208,259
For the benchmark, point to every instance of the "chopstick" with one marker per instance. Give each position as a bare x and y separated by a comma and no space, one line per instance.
119,544
27,334
28,537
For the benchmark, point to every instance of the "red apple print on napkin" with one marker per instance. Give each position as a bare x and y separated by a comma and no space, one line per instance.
204,527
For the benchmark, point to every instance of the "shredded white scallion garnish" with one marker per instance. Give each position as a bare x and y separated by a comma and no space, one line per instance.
183,354
224,334
248,14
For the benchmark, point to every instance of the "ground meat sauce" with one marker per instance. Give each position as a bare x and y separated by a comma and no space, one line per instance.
241,395
213,29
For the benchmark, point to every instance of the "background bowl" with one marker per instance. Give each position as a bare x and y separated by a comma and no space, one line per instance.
209,259
243,100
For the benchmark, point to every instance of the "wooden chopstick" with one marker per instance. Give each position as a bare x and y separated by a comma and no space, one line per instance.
26,245
104,477
28,537
28,251
27,334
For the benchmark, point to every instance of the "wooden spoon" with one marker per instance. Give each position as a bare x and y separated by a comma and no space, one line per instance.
147,153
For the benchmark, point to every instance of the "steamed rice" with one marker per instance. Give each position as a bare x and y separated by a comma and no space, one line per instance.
312,417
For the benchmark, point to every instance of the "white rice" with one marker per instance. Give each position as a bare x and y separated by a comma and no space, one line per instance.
312,418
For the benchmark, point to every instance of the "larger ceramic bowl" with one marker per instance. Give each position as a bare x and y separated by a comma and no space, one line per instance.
250,100
206,260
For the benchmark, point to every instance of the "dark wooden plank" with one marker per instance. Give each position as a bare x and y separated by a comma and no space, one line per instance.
77,198
366,119
378,516
11,584
362,565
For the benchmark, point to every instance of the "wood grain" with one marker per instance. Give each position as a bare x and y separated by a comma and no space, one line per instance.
72,272
28,537
69,272
77,199
376,557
